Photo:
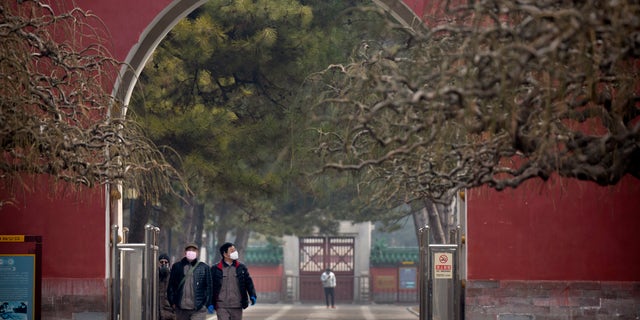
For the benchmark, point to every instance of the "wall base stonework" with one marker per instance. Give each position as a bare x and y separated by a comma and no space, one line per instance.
552,300
73,299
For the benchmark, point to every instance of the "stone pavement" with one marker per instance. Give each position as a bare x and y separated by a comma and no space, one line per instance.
280,311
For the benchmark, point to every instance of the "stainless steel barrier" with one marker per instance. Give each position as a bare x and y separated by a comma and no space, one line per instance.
134,282
439,274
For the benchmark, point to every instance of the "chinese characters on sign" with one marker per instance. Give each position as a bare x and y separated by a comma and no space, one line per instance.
442,265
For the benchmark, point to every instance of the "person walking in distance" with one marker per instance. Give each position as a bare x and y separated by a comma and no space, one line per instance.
232,285
189,289
329,284
166,311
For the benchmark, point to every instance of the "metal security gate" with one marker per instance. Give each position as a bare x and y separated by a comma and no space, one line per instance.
319,253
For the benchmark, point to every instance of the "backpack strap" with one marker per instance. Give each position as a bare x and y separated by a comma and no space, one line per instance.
188,274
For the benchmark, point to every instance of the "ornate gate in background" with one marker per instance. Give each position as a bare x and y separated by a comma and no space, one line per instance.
319,253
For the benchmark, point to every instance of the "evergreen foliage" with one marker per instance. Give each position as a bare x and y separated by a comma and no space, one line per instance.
224,93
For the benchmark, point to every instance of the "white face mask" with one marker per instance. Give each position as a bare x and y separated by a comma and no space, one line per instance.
234,255
191,255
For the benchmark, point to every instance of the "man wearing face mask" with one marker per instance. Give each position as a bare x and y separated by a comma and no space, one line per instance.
189,289
232,285
166,311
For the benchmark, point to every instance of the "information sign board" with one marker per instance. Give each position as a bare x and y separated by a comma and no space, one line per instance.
408,278
17,286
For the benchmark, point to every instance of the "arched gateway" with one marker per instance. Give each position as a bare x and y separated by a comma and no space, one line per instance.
533,253
76,231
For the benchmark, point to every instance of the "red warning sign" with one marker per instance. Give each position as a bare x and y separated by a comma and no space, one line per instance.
443,265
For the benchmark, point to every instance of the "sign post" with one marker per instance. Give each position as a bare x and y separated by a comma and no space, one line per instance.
445,286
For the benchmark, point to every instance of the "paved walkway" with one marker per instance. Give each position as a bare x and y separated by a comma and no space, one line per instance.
315,312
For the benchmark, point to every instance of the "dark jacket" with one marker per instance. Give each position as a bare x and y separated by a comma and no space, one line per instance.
166,311
245,283
201,283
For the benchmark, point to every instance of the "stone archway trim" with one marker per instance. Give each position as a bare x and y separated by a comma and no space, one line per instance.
401,12
149,40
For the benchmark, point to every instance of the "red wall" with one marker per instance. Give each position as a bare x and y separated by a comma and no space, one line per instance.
72,226
417,6
123,20
384,279
561,230
267,278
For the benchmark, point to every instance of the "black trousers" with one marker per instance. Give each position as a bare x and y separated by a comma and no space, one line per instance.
329,291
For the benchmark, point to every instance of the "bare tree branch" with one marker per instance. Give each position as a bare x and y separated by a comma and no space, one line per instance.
495,93
56,114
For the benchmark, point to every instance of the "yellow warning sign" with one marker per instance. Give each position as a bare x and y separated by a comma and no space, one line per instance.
442,265
11,238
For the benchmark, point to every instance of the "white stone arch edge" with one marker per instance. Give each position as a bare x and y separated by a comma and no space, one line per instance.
148,42
400,11
125,83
